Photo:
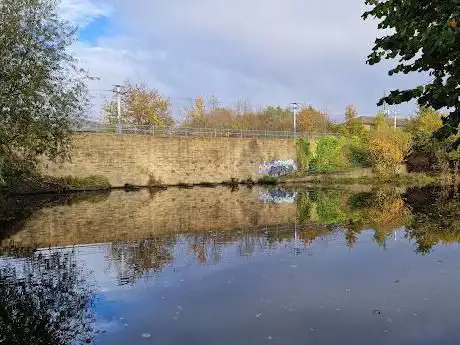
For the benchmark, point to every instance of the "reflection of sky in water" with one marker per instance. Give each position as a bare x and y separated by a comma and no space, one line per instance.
327,294
312,274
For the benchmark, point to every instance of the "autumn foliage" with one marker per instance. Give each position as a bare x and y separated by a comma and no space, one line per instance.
242,115
140,106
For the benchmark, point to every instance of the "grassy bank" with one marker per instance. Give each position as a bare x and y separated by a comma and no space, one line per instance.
48,184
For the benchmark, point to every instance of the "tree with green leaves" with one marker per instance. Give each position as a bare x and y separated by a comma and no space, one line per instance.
425,37
42,91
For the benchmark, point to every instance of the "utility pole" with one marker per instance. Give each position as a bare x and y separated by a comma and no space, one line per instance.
394,114
118,92
294,110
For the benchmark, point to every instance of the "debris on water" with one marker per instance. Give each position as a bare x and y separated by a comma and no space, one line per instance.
439,262
126,325
398,310
176,318
376,312
269,337
259,316
290,309
385,331
229,282
180,307
389,320
415,314
182,280
294,266
396,281
426,299
177,312
163,297
347,290
146,335
313,329
321,307
337,309
122,318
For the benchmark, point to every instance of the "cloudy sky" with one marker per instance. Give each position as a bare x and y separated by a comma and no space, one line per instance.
267,51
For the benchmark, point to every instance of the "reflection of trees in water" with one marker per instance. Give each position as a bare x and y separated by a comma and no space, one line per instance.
430,216
208,247
134,259
45,299
436,220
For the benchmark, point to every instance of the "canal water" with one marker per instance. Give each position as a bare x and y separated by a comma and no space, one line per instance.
242,266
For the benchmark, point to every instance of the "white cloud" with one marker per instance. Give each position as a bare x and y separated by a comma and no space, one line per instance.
83,12
269,51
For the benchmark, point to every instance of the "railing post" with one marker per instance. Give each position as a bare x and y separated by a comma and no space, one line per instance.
241,133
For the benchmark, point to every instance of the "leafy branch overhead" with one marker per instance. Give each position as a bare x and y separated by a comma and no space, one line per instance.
424,36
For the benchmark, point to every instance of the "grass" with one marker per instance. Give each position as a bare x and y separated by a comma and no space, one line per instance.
268,180
89,182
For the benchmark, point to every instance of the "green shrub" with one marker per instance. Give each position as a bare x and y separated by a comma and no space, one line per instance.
331,154
304,155
358,153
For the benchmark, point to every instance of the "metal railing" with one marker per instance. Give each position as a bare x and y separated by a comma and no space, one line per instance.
197,132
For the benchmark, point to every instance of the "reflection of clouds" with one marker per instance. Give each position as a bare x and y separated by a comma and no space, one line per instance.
278,196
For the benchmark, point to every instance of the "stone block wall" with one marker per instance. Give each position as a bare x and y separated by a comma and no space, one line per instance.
144,159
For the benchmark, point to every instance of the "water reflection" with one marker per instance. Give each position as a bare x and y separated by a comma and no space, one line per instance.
45,299
255,236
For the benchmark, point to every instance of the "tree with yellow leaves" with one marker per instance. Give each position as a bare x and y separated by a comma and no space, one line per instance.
311,120
140,105
387,147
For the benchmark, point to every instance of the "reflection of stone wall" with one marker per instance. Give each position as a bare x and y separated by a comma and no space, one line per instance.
131,216
138,159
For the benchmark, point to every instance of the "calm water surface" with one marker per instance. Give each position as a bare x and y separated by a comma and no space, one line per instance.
215,266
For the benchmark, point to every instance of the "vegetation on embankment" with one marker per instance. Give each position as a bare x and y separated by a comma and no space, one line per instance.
37,184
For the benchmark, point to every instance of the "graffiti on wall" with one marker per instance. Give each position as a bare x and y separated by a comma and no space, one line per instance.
278,167
277,196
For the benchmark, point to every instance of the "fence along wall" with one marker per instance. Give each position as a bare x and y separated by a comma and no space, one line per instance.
144,159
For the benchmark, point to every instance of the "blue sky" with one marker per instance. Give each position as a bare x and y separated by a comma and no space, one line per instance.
265,51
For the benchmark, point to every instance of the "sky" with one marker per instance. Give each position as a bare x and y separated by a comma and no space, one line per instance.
270,52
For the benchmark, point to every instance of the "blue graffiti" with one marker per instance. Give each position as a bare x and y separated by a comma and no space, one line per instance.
278,167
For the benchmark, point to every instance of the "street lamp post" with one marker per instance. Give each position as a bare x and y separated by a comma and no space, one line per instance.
294,110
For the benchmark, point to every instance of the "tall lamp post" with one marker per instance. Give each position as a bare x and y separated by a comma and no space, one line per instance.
295,107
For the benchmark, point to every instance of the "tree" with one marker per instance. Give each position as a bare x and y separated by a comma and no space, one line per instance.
140,106
387,148
351,113
425,123
197,111
42,91
424,36
311,120
353,126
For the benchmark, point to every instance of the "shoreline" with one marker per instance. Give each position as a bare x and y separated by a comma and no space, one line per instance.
320,180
